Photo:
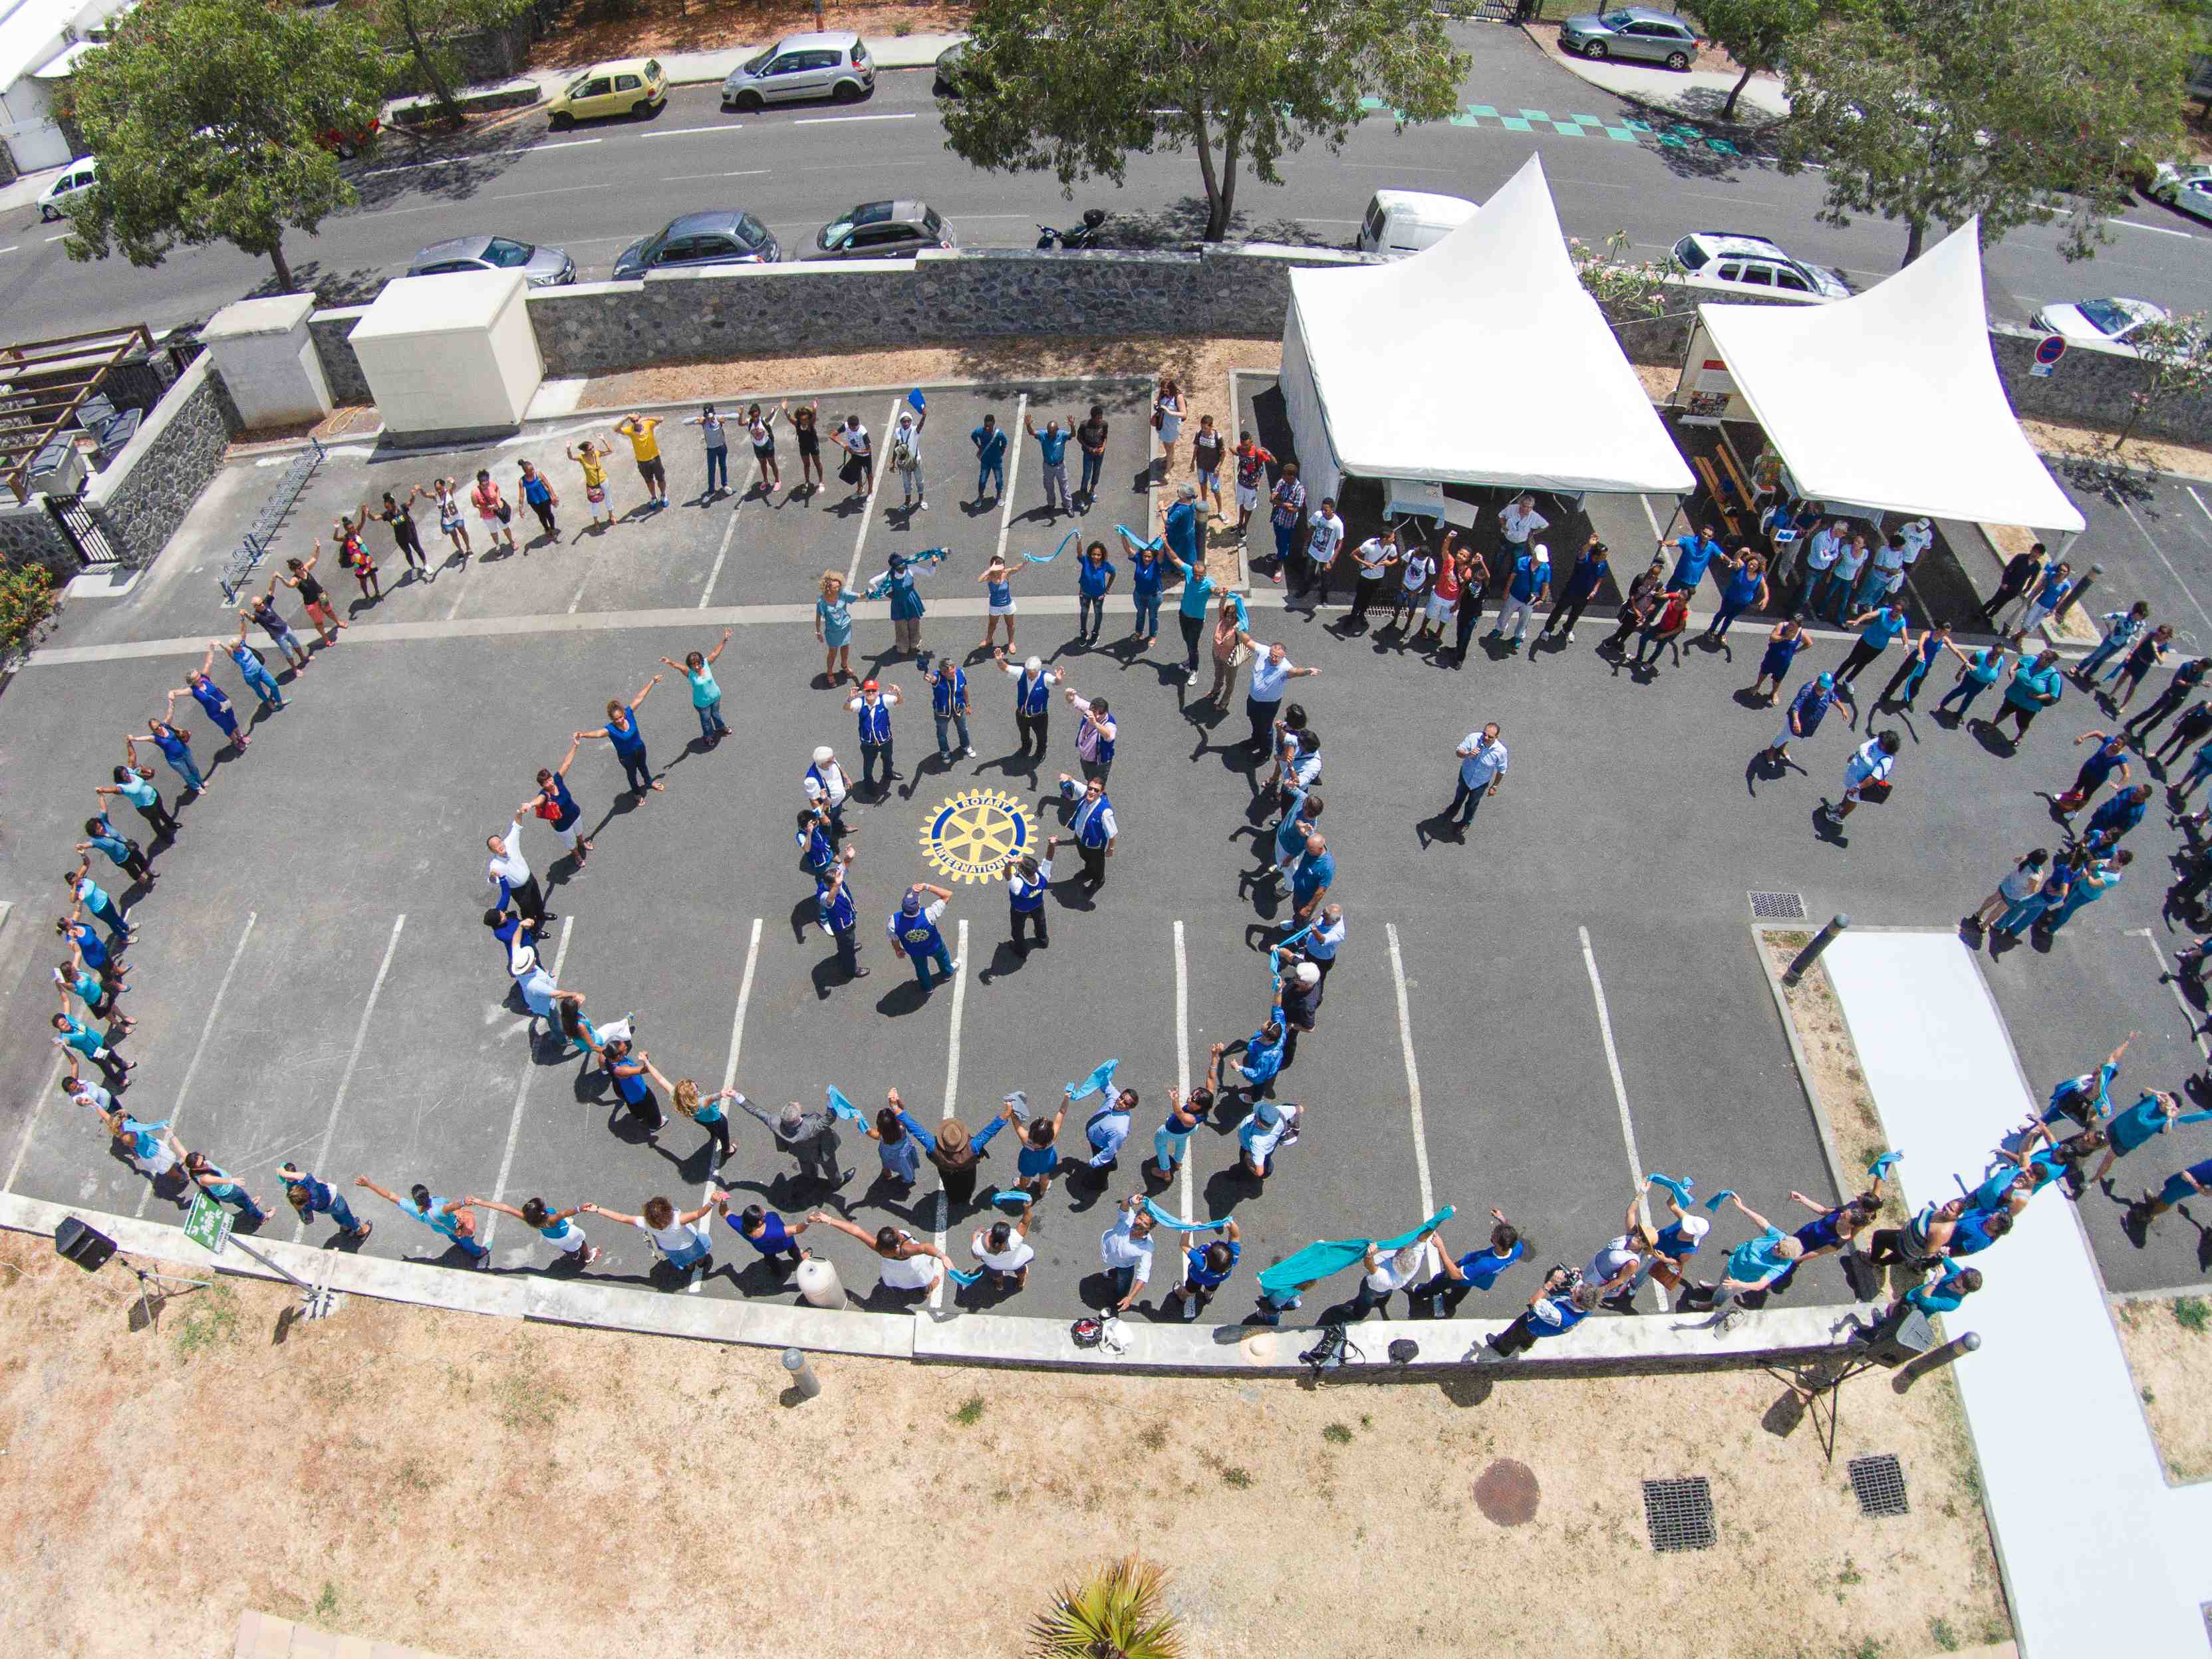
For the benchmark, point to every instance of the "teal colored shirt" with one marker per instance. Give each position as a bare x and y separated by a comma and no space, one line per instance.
1197,589
1755,1261
704,691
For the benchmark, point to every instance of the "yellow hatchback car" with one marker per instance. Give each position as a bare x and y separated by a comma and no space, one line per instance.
635,86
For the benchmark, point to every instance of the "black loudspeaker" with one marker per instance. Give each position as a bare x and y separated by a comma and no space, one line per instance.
86,1246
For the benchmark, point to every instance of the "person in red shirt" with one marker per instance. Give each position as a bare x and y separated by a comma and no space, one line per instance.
1251,459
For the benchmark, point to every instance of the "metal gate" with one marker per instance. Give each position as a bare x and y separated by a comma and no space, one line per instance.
85,534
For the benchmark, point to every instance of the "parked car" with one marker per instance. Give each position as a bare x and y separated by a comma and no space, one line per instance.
541,267
70,187
1631,32
1401,221
952,67
835,65
633,85
883,230
2098,322
722,236
2188,189
1724,256
345,145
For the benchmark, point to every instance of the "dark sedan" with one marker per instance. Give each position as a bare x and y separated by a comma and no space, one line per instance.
723,236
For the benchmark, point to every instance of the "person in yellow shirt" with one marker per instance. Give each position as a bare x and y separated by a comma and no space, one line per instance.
638,429
592,458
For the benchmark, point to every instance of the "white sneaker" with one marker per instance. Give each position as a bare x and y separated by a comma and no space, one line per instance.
1728,1321
1570,636
968,748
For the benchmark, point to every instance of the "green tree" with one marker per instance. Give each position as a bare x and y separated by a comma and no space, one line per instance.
429,32
2179,352
2025,111
1076,87
1116,1613
1757,34
206,114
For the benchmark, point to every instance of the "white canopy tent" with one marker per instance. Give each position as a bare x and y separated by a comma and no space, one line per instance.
1481,360
1890,400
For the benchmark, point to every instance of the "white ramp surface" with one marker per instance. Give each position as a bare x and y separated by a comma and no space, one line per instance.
2100,1555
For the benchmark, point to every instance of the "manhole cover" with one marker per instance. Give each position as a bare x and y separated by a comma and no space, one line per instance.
1880,1484
1778,907
1679,1513
1506,1492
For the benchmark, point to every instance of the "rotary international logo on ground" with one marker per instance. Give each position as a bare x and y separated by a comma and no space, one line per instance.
976,834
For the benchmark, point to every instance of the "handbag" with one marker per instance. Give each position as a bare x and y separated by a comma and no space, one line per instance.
1156,420
1876,793
506,512
850,471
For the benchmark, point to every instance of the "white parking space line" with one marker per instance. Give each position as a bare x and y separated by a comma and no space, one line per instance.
1413,1074
31,1122
729,1080
2159,230
522,1091
1183,1046
2193,496
554,143
1652,518
442,162
1017,442
2168,563
952,1093
2165,970
199,1048
827,120
879,463
11,249
64,237
685,178
352,1059
752,477
686,132
1613,1067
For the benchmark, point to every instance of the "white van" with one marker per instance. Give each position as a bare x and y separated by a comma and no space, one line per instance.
63,195
1402,221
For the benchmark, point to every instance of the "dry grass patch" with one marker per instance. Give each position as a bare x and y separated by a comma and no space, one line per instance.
2168,1343
1840,1095
635,28
470,1485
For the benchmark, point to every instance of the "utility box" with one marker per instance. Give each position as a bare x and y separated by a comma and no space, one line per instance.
449,358
268,361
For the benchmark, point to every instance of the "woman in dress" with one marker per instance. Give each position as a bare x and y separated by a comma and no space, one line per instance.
833,628
1167,415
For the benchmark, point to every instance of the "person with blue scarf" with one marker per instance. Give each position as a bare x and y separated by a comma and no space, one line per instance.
897,584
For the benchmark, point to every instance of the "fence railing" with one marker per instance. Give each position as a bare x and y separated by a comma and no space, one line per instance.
261,536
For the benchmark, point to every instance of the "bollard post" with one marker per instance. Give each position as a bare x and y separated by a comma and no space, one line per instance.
2075,595
1920,1365
804,1382
1811,953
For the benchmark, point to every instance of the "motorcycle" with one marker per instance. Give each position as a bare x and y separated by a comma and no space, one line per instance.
1076,236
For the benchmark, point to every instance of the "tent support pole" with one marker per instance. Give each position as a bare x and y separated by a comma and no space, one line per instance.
1671,519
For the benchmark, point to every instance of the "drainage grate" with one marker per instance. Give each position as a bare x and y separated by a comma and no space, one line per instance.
1778,907
1679,1513
1880,1484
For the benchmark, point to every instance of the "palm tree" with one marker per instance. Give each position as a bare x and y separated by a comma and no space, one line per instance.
1116,1613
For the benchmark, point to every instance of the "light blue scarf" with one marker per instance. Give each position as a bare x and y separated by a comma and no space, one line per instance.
1326,1256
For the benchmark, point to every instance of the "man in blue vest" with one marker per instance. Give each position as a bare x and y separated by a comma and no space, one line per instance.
1026,891
816,853
1033,683
912,928
833,910
1095,829
948,702
873,705
827,787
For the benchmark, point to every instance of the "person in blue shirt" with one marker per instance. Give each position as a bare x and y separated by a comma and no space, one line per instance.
948,702
2122,629
1698,550
1977,674
990,441
1754,1265
1744,589
833,912
1312,877
2098,878
1172,1140
1148,569
622,730
1882,628
1560,1303
1807,710
1903,690
557,807
449,1217
816,851
249,665
1052,451
633,1073
1478,1270
176,747
1094,581
2154,1112
221,1185
557,1227
1952,1285
1181,534
135,783
216,706
768,1232
1205,1269
2116,817
1038,1161
899,1152
707,1111
123,852
2182,1184
1787,639
1253,1077
310,1197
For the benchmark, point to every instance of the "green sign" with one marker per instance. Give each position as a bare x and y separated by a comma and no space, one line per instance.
208,1224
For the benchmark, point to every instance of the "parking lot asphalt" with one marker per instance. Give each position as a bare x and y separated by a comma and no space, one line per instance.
314,984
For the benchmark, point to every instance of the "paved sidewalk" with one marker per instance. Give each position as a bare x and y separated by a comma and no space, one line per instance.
1698,94
2100,1555
686,69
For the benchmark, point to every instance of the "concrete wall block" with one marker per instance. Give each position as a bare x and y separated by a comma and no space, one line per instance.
331,332
143,497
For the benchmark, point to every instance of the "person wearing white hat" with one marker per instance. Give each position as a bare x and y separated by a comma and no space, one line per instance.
1301,1006
1033,683
827,787
530,979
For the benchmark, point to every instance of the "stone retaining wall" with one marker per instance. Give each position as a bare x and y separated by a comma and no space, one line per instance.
142,495
945,298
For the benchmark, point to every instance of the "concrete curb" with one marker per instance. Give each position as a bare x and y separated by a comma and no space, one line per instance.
1845,1185
1643,1343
